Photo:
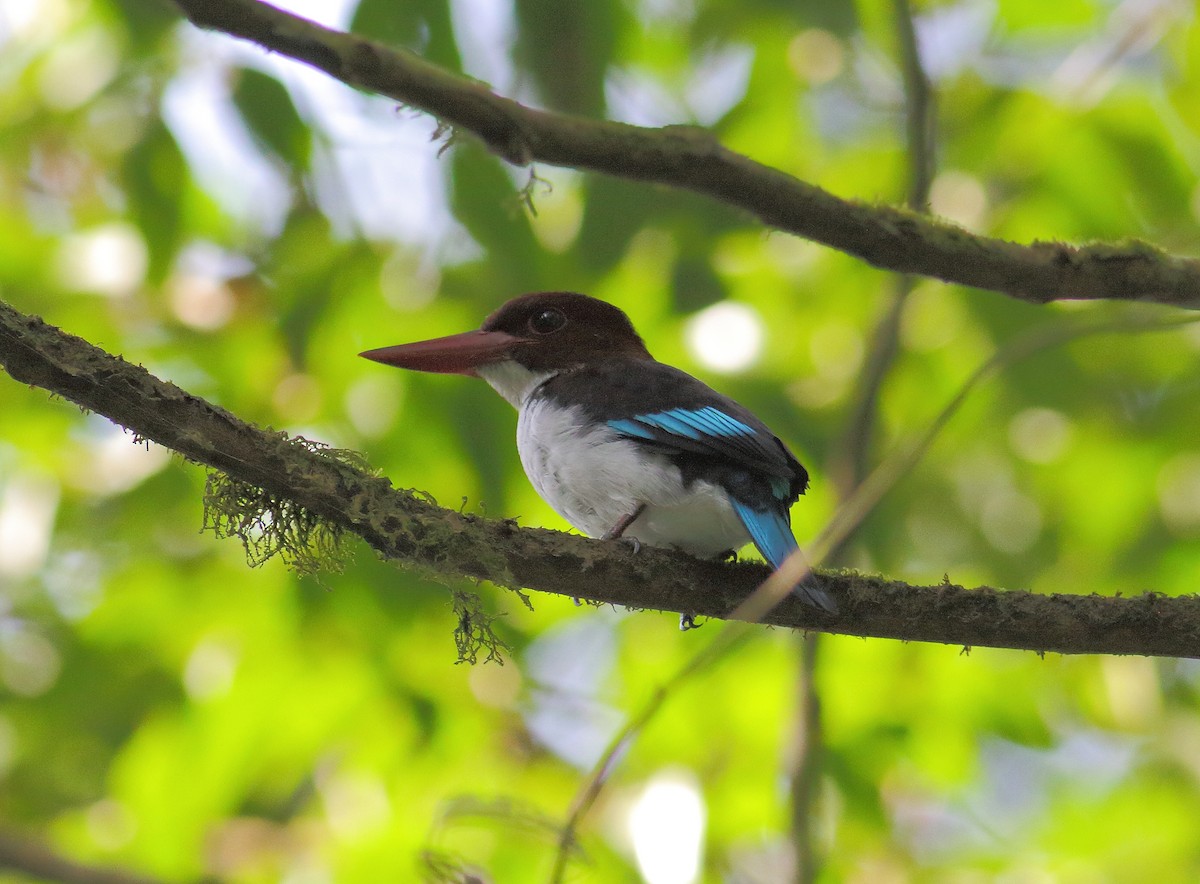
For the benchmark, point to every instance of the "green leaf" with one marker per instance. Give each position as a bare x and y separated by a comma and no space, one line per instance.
424,26
156,176
568,45
492,209
268,111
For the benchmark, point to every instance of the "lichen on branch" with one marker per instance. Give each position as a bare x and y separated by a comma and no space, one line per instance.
269,525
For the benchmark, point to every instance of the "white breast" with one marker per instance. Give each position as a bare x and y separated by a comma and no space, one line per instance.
594,478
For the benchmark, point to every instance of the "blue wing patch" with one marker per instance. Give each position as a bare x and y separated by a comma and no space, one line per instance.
632,428
707,421
673,422
772,535
712,431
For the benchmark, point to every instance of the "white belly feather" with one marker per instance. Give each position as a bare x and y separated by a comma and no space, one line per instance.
593,478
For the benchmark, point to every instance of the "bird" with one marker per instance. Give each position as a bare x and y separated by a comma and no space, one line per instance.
620,444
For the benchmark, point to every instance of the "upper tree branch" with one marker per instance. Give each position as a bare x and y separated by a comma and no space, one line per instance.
689,158
404,528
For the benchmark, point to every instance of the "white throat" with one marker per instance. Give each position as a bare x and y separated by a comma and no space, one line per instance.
512,380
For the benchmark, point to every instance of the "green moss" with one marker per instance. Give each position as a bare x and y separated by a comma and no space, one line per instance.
474,633
269,526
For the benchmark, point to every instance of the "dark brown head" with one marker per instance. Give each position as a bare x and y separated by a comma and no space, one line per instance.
542,331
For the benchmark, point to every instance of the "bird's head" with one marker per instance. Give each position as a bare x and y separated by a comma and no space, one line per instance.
542,332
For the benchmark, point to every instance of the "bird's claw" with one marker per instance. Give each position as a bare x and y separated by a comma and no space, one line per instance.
618,530
688,622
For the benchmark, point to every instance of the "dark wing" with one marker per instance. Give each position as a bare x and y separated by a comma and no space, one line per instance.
700,421
708,435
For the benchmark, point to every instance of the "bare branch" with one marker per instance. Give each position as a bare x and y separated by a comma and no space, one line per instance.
920,110
692,159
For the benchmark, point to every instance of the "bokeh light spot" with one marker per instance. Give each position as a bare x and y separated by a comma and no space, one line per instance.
28,504
209,670
1179,493
1011,521
356,806
110,824
200,302
29,663
1040,435
666,824
373,402
933,318
959,197
726,337
115,462
297,397
109,260
495,686
78,68
816,56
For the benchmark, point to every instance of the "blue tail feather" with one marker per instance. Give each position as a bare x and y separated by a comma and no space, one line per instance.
771,533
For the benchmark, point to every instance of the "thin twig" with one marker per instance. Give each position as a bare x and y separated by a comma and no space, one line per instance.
920,110
807,749
725,640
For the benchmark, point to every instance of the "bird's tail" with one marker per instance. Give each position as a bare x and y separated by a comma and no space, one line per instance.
772,535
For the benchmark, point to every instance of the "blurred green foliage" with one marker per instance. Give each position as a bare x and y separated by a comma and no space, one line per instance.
244,227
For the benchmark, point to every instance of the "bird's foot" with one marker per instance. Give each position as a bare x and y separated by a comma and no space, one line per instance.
624,522
688,622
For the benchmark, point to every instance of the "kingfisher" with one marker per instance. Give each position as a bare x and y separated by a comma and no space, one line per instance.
620,444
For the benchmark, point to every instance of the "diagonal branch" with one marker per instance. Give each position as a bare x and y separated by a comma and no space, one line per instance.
23,854
692,159
412,532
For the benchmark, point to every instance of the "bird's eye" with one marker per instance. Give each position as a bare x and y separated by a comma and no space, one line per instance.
545,322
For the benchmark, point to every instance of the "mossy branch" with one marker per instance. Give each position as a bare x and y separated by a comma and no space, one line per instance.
402,527
269,525
692,159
